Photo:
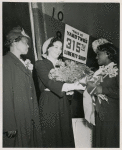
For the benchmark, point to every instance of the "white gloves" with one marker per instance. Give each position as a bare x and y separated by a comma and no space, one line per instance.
72,86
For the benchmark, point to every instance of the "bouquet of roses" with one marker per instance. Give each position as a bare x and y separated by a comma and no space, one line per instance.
70,71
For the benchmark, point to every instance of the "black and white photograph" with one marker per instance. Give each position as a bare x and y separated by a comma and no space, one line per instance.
60,74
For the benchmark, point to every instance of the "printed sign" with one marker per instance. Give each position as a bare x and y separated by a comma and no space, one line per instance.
75,44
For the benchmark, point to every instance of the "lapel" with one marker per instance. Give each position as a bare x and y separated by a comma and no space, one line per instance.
18,63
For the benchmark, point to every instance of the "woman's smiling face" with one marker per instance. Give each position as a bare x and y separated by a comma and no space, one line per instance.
55,50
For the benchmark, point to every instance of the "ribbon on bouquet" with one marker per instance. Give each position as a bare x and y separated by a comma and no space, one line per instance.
88,96
88,107
89,99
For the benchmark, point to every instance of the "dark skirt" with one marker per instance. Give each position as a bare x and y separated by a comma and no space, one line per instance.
56,121
106,134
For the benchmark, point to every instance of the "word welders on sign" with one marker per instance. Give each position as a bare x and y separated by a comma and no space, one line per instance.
75,44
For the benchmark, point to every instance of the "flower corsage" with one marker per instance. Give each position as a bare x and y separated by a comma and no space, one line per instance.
110,70
28,65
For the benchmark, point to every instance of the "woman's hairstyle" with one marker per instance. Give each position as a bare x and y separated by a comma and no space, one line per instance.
47,44
52,41
15,35
111,50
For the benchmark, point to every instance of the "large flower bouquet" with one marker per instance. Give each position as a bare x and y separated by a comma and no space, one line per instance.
69,71
110,70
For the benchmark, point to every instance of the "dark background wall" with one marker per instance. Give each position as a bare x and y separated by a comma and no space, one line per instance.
96,19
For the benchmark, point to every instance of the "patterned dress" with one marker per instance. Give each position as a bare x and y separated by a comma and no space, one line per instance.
54,108
106,131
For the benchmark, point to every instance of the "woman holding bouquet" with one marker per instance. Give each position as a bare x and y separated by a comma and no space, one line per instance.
106,131
54,107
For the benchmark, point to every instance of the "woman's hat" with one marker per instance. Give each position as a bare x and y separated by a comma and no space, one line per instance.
99,42
14,34
45,46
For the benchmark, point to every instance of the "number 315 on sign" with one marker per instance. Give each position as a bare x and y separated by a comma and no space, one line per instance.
72,44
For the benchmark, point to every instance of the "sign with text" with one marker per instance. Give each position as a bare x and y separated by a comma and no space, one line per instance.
75,44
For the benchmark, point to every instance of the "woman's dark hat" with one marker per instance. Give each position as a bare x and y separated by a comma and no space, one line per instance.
14,34
108,47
